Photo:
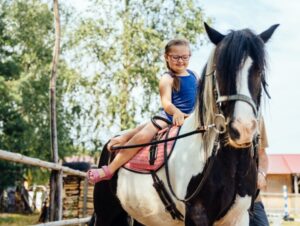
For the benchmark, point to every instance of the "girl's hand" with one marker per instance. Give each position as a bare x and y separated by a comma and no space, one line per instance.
116,141
178,117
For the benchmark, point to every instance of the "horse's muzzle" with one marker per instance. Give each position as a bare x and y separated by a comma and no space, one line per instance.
241,133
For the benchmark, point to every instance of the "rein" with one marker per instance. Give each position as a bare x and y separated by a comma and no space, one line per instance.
201,129
218,126
202,181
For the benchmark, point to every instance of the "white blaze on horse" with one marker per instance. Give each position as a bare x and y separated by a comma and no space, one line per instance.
210,176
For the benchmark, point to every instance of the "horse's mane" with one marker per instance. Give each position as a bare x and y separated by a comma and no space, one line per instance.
232,52
227,58
206,102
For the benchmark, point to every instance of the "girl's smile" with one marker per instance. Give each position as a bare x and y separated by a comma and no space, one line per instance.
178,59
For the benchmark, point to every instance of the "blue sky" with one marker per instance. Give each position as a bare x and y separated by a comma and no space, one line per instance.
282,112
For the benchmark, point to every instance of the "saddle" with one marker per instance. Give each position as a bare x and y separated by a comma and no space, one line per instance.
151,158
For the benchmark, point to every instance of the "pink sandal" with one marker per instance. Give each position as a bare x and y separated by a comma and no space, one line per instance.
94,177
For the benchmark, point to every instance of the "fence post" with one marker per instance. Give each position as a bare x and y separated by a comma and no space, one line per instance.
285,197
296,184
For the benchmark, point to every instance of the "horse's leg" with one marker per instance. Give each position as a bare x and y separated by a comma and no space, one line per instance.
196,215
108,209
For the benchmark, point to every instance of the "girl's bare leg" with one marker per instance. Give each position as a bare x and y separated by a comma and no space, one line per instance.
144,136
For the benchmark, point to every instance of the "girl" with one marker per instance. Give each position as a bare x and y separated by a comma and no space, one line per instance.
177,90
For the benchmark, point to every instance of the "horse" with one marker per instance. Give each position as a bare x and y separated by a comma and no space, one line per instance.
211,175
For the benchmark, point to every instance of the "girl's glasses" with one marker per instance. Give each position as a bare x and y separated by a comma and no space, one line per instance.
177,58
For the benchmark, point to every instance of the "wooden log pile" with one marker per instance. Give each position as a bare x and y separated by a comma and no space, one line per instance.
73,197
88,208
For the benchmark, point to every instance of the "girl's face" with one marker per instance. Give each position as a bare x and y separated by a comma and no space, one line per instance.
178,58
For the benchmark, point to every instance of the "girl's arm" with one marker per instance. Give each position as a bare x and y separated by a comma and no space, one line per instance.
165,90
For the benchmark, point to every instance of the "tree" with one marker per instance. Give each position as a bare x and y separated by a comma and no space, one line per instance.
125,41
26,41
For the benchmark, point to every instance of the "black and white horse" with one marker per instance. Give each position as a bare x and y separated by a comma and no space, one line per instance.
222,163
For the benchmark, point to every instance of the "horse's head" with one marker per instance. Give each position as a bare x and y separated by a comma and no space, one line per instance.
236,76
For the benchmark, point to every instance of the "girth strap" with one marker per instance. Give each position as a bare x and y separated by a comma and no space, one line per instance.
153,148
158,184
165,197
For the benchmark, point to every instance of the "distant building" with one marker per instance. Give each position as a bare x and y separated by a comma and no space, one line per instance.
284,169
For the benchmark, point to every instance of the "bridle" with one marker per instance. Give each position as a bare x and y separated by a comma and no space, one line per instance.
225,98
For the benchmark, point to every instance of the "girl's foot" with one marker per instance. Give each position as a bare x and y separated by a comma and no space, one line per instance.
96,175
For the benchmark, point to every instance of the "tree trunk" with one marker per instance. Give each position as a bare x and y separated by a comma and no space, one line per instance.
56,176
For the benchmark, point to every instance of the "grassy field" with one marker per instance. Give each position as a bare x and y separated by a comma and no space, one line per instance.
11,219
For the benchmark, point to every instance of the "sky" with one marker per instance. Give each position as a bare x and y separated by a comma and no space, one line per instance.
282,111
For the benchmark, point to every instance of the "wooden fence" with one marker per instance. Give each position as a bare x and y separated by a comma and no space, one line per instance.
274,202
15,157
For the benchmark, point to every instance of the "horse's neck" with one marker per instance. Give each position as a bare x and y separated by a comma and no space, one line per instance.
188,156
192,146
192,123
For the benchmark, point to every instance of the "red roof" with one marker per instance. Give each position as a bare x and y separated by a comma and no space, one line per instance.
284,164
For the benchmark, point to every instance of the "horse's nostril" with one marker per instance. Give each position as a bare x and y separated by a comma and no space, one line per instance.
233,132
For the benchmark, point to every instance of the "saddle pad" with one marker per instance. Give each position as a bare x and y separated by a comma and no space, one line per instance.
140,162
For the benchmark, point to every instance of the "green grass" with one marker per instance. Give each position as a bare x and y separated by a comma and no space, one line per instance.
13,219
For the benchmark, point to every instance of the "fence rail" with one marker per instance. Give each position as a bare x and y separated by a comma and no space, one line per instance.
15,157
275,202
65,222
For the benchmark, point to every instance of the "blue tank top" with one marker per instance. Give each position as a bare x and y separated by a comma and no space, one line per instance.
185,98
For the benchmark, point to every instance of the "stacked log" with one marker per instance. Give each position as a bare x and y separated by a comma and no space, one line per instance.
74,202
71,196
78,194
88,208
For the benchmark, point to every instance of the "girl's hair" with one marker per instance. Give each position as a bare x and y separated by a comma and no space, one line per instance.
175,42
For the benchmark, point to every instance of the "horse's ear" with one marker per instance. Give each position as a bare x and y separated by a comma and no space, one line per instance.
214,36
266,35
